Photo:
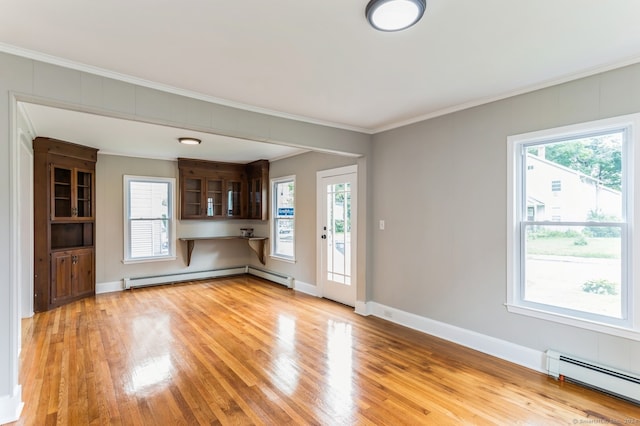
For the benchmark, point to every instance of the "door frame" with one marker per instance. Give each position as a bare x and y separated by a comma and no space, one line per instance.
320,175
25,223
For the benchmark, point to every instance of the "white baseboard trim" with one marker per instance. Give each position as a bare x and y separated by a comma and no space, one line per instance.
502,349
362,308
128,283
11,406
111,287
306,288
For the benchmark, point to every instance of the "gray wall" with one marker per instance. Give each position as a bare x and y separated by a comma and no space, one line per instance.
441,187
304,167
110,221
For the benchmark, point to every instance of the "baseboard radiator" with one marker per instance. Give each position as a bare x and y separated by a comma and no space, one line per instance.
138,282
276,277
610,380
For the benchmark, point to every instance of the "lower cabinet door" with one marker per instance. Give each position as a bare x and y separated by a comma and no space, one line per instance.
83,273
61,271
72,275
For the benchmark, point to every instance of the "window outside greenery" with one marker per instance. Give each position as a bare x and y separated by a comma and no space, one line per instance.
572,226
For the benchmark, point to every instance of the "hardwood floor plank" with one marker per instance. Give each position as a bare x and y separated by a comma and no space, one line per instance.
241,350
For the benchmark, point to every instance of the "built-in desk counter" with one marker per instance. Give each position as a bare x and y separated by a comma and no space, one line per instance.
255,243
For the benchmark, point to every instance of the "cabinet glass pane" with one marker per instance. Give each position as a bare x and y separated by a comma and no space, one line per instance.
250,189
233,198
62,192
192,197
255,198
214,198
84,194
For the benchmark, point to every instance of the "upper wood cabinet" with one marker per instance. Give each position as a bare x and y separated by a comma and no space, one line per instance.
217,190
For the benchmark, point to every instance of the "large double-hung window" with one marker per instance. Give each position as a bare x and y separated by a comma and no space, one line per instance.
571,225
149,224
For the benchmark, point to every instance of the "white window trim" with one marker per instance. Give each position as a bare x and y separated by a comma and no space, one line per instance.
631,329
272,233
172,222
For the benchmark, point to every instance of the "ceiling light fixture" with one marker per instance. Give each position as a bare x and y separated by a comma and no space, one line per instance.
394,15
189,141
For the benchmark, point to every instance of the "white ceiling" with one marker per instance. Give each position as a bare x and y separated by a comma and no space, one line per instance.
320,61
138,139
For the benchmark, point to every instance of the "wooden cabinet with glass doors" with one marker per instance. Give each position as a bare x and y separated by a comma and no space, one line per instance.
211,190
64,222
218,190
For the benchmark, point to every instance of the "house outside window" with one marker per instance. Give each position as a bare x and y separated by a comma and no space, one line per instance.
570,242
531,215
283,206
149,225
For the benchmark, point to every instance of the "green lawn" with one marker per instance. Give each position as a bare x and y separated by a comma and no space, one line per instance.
606,248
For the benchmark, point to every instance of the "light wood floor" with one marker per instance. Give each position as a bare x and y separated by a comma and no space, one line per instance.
245,351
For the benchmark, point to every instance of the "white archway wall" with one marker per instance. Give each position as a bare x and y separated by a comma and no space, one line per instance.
25,218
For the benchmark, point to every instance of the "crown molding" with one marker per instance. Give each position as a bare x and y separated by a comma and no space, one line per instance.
532,88
54,60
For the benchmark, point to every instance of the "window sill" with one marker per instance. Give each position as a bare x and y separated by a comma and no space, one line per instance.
148,259
627,333
282,259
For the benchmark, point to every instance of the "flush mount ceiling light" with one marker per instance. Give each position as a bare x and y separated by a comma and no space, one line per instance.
189,141
394,15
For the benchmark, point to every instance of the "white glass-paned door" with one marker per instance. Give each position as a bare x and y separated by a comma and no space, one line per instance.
337,222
